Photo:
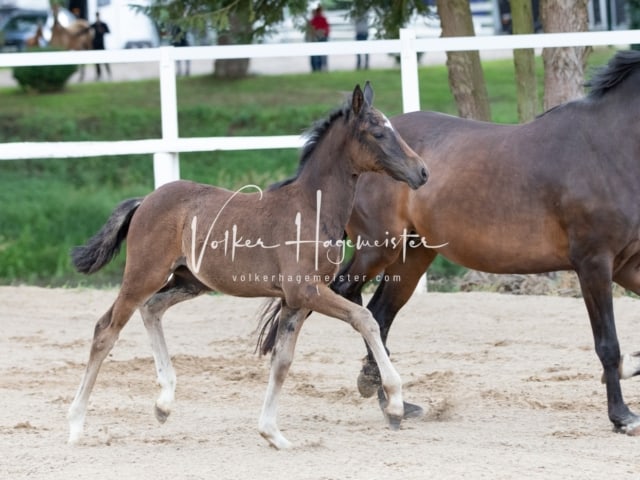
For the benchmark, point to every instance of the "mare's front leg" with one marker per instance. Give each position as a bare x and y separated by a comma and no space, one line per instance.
178,290
289,324
595,281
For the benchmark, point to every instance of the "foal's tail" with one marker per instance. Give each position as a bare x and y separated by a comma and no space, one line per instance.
104,245
270,313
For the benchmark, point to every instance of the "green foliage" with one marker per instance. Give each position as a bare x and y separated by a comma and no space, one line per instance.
258,18
45,78
389,17
262,18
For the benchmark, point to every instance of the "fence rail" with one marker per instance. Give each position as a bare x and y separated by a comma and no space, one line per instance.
165,150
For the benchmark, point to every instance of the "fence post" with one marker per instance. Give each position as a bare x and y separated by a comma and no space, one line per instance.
409,71
410,95
166,165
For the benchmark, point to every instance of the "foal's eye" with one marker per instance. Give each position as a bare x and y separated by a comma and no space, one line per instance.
378,135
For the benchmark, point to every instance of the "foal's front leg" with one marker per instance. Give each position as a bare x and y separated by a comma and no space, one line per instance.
323,300
289,324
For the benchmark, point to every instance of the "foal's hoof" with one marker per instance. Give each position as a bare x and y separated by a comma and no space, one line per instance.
161,414
412,410
394,421
633,432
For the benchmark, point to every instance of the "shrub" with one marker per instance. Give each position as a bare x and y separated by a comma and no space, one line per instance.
45,78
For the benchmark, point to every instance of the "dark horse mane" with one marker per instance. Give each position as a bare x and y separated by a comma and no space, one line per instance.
606,78
618,69
313,135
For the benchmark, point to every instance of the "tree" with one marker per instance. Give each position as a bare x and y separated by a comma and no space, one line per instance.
246,21
235,21
466,78
524,61
564,68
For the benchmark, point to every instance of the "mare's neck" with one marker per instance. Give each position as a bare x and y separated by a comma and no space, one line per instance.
329,171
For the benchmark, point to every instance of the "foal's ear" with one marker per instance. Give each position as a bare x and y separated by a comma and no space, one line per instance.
368,93
357,100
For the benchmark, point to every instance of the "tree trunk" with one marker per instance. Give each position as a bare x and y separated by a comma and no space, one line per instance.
564,67
239,32
524,62
466,78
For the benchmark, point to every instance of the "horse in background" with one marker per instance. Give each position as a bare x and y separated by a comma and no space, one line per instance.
77,36
37,40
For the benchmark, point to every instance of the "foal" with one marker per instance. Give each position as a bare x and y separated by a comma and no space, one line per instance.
186,239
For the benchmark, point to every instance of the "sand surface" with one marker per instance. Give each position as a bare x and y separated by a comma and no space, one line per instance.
511,386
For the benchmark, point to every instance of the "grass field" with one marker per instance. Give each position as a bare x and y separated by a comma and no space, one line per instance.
49,205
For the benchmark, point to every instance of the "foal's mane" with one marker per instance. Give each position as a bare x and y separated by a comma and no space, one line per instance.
314,135
617,70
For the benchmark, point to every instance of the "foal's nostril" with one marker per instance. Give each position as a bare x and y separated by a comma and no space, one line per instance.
424,174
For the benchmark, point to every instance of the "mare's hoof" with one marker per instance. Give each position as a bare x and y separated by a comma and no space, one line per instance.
368,382
366,385
161,415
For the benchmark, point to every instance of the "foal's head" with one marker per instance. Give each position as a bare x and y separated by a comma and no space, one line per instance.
377,146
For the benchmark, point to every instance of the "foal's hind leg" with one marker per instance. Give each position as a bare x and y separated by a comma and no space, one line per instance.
139,283
183,286
289,324
105,335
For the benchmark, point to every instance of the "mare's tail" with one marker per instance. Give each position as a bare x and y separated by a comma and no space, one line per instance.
104,245
270,313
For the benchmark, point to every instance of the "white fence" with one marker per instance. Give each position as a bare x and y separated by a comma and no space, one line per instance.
165,150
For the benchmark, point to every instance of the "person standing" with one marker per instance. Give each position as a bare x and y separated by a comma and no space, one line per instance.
100,29
179,39
318,31
362,33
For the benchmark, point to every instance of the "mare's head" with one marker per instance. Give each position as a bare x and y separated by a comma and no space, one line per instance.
376,146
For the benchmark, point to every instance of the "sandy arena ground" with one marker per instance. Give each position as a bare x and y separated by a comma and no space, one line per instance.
511,386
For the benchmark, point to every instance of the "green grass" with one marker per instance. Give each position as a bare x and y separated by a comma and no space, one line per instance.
47,206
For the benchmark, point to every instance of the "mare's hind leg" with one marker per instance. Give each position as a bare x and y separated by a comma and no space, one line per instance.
182,286
289,324
594,274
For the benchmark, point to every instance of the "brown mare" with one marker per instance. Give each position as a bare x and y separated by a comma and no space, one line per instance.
558,193
77,36
186,239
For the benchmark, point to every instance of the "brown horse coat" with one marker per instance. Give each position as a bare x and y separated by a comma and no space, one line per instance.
558,193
